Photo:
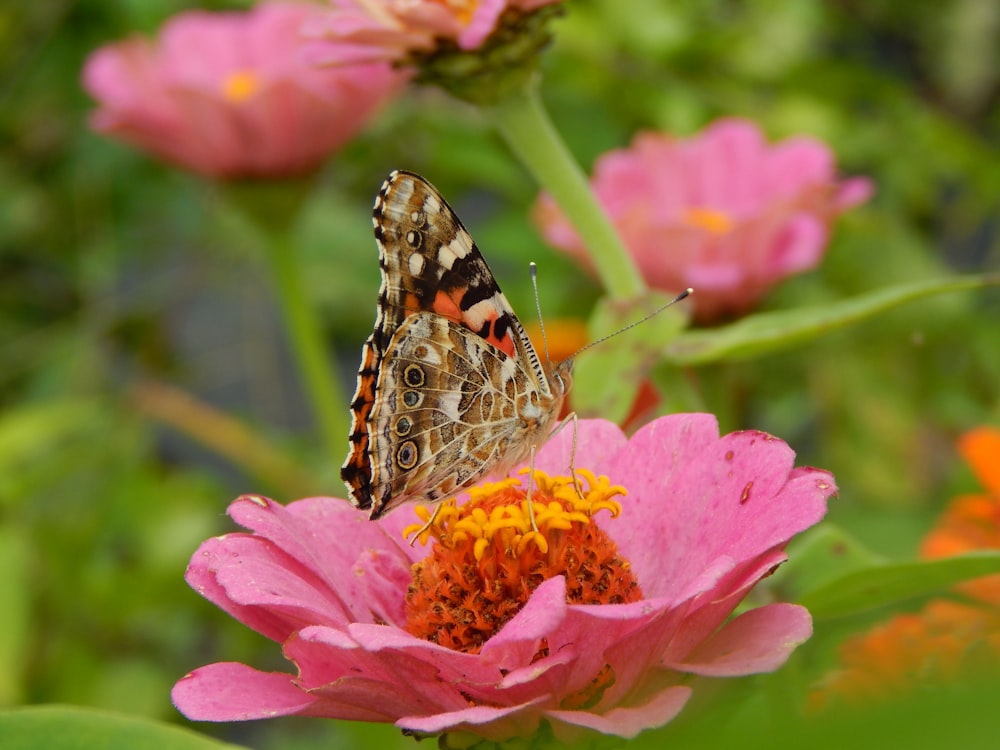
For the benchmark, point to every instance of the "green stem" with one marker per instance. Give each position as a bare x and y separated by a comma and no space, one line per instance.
312,353
525,126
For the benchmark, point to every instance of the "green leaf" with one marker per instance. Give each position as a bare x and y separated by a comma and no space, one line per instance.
607,377
822,554
766,332
70,728
879,585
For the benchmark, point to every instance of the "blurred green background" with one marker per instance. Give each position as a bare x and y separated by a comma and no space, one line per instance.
116,271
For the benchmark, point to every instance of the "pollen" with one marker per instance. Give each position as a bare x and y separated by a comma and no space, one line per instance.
463,10
709,219
240,86
486,559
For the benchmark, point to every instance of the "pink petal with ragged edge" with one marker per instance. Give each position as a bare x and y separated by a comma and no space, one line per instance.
327,536
488,722
426,678
854,191
122,76
518,640
795,164
483,23
262,586
625,721
798,246
579,648
229,691
384,647
714,277
722,164
626,637
699,618
710,496
707,580
598,441
414,674
377,581
760,640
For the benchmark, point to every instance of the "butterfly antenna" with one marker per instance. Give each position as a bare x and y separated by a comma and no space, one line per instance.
533,270
641,320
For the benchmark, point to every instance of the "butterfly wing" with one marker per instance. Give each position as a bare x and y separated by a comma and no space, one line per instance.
446,414
430,266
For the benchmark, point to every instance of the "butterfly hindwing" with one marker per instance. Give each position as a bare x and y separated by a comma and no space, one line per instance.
450,388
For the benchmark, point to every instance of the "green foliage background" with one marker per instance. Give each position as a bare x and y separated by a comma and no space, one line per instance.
116,270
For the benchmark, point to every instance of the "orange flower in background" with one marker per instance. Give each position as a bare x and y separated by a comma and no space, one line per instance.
972,522
945,641
228,95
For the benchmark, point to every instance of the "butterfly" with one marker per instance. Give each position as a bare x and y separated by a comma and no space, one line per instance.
450,388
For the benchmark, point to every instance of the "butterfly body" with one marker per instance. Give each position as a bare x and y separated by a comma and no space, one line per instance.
450,388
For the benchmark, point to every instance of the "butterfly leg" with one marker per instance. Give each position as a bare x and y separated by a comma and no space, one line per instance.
571,417
430,522
531,485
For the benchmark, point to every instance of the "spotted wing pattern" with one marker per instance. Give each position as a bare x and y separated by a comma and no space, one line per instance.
450,388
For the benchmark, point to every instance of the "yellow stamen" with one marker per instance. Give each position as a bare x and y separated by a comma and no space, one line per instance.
709,219
487,558
463,10
240,86
454,525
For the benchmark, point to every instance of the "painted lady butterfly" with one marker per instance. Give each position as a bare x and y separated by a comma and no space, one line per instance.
450,388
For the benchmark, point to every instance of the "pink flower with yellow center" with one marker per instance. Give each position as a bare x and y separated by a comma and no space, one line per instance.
723,212
598,621
229,95
397,29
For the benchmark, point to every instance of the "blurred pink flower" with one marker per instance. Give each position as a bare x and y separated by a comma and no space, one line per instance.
229,95
722,212
394,29
704,520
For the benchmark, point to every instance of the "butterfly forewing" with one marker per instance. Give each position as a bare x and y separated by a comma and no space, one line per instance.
450,388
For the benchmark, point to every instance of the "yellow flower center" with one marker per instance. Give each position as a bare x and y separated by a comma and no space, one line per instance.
709,219
487,559
463,10
240,86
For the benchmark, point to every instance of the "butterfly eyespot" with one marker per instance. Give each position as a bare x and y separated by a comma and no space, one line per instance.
403,426
411,398
413,375
406,456
414,239
418,217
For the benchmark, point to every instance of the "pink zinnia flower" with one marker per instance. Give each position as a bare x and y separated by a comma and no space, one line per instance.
594,623
723,212
229,95
395,29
